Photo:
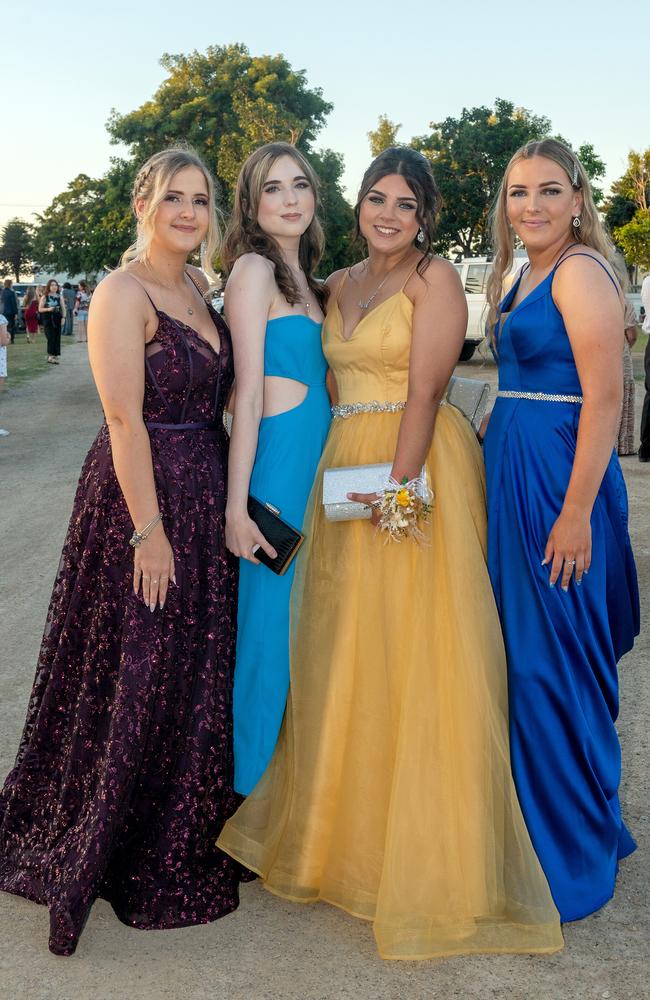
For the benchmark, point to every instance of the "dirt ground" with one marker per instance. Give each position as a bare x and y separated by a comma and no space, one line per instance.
270,949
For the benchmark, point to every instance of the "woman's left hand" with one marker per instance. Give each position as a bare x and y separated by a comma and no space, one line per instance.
569,546
369,499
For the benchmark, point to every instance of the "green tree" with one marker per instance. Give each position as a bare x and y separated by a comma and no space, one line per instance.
629,198
469,155
16,247
88,225
224,103
338,216
634,239
383,136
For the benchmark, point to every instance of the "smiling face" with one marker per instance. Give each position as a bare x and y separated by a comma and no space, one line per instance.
388,215
182,217
541,203
287,201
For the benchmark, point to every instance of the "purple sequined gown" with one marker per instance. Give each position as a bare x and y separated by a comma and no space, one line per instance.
123,778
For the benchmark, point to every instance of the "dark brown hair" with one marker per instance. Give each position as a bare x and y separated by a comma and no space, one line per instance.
244,234
416,171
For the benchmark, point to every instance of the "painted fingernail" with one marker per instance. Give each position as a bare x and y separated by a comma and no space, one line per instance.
551,584
173,579
565,588
152,608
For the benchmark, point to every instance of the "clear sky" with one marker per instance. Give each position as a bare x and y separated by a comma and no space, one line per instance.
64,66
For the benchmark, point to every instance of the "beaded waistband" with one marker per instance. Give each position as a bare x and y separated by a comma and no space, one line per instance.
547,397
374,406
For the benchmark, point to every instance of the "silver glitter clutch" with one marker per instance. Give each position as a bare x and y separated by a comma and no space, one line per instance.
470,397
337,483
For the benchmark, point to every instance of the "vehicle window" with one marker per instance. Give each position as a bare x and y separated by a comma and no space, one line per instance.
476,279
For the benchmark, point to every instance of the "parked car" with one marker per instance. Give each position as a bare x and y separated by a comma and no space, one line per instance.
474,273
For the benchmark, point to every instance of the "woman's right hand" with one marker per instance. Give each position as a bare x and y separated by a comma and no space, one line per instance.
244,538
153,568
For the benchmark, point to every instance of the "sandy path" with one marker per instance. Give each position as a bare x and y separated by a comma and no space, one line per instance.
268,949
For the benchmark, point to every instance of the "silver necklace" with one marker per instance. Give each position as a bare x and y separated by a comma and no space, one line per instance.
366,305
190,311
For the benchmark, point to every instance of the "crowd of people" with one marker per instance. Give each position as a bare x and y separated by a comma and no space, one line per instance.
206,710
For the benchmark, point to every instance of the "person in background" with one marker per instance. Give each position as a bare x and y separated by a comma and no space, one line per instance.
644,446
5,340
82,303
625,441
30,314
69,299
9,307
51,310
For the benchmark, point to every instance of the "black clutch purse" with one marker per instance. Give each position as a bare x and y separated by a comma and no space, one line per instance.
285,539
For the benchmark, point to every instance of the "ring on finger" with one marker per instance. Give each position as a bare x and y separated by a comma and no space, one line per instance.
570,562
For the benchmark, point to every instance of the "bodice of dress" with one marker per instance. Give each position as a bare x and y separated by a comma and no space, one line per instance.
292,349
533,349
374,363
186,381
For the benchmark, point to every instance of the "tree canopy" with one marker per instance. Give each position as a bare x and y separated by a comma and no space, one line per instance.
627,211
384,136
469,156
224,102
16,247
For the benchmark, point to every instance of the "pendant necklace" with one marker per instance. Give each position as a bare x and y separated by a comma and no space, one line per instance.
366,305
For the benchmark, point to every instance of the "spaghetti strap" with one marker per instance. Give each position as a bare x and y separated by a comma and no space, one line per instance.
409,276
144,290
581,253
198,288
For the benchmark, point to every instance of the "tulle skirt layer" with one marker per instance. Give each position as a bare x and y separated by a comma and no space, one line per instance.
390,792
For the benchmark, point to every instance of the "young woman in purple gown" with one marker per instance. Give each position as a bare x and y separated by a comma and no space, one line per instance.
124,774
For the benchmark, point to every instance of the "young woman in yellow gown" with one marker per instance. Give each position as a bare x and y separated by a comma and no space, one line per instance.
390,792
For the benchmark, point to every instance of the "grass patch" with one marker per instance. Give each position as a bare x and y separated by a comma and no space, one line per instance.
27,361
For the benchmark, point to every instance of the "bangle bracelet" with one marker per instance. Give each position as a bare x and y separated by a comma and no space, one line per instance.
139,536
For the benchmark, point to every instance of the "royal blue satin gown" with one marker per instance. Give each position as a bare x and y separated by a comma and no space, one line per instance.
562,648
288,451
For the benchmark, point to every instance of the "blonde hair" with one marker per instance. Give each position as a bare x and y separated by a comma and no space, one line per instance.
151,185
245,235
590,233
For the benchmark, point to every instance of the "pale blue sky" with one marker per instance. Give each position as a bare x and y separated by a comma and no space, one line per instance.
584,65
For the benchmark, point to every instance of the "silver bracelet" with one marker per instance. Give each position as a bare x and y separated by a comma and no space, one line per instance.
139,536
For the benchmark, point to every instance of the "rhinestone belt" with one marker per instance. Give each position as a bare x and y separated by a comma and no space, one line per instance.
548,397
345,410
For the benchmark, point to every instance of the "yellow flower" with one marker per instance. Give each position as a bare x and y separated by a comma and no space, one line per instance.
403,498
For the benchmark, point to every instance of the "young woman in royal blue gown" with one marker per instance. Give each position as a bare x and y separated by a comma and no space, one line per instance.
558,547
123,777
281,418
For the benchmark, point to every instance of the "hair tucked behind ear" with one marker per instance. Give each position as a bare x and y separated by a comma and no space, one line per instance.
151,185
245,235
590,232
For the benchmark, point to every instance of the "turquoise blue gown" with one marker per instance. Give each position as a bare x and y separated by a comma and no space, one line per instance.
288,451
562,648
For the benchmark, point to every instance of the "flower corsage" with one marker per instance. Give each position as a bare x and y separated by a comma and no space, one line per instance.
403,507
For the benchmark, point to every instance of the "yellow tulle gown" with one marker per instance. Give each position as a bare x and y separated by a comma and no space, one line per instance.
390,793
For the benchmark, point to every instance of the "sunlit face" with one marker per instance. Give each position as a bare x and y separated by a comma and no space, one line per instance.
52,288
388,215
287,202
540,202
182,218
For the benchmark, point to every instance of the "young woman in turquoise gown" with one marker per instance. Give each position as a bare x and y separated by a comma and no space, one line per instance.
274,306
558,547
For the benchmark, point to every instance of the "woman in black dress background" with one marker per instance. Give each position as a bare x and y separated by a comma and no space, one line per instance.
124,773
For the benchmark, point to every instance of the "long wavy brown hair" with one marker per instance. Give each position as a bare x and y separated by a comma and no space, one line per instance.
244,234
416,171
591,232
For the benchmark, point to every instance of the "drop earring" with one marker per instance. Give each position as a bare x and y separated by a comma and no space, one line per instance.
576,222
420,236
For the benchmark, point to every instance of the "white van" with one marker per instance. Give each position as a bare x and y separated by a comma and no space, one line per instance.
474,273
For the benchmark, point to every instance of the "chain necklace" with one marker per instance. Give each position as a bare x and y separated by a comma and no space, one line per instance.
366,305
170,288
